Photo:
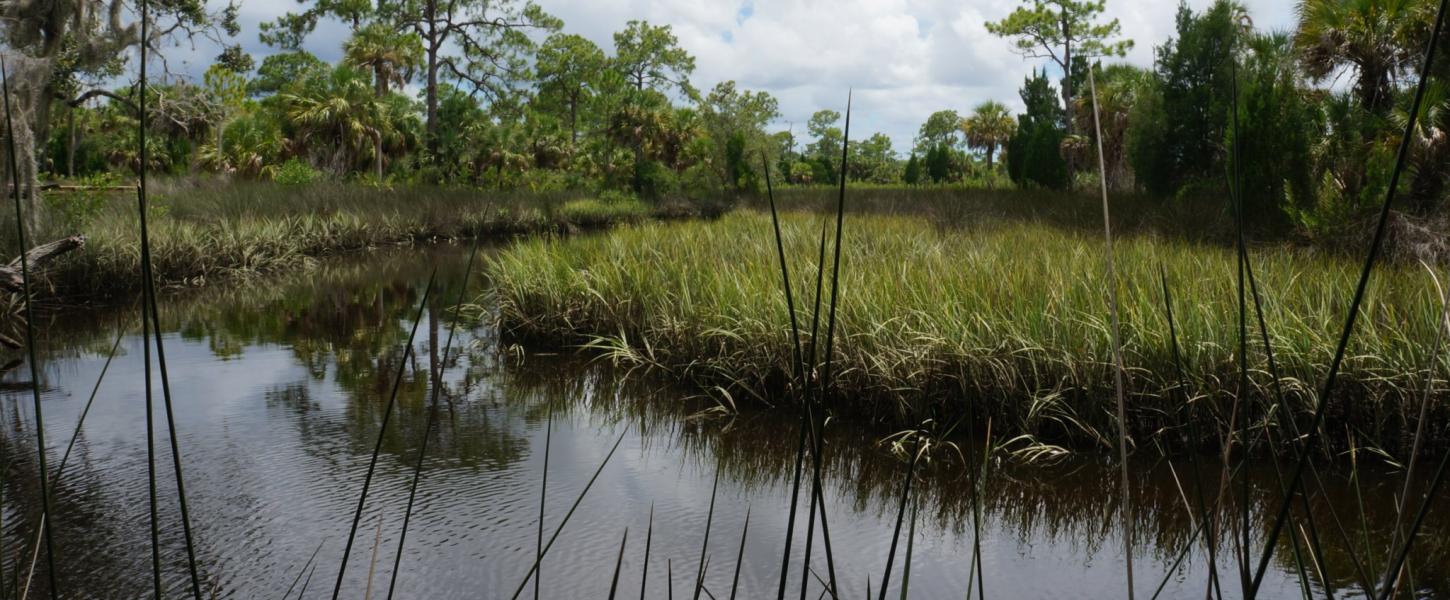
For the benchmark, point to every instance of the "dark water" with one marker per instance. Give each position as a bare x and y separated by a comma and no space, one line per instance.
280,388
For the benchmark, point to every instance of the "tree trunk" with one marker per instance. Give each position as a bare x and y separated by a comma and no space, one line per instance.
1067,90
430,127
378,154
70,147
573,122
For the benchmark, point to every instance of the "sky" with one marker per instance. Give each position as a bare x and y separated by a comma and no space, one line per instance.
904,59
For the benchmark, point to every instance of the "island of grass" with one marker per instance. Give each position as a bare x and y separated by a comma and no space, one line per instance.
1007,320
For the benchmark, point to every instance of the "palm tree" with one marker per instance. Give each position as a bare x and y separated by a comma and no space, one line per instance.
989,128
345,113
390,55
1374,38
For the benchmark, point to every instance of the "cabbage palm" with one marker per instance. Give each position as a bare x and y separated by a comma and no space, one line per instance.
345,113
989,128
391,56
1374,38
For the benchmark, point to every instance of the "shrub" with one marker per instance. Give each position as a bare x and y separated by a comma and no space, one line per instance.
296,172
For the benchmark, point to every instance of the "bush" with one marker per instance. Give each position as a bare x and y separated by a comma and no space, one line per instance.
77,210
607,209
296,172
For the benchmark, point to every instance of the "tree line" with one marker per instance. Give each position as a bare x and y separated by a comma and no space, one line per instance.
495,94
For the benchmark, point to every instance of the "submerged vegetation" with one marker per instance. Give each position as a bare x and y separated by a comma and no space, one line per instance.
1010,316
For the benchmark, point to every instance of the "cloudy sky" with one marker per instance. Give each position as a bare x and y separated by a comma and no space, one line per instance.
904,58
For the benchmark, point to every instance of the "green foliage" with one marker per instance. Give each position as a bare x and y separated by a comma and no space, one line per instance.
296,172
285,70
77,210
912,174
939,163
569,69
989,128
942,128
1039,30
1378,41
1034,155
650,58
391,56
1278,126
1194,80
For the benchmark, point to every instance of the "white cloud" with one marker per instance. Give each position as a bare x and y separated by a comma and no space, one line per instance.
904,58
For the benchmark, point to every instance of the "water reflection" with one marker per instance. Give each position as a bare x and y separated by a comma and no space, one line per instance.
281,385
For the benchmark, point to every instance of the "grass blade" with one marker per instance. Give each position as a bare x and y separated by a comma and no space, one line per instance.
817,456
303,570
1118,370
543,501
433,420
910,545
740,555
900,517
534,569
1432,364
799,374
150,311
30,340
704,545
649,534
382,431
1206,517
618,563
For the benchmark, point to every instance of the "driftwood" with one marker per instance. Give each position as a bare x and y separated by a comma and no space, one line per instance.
10,279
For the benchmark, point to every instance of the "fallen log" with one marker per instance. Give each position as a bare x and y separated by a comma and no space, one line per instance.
10,276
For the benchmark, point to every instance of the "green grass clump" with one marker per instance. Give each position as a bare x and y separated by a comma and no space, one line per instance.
591,212
1013,315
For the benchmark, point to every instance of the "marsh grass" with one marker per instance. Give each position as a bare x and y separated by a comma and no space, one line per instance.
213,231
1012,315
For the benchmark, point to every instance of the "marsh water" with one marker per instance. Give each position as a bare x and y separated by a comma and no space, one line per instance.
280,387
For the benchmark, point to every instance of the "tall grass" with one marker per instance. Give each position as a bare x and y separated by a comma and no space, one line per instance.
1009,315
211,232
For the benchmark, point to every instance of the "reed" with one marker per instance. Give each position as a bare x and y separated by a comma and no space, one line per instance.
816,424
618,564
150,311
435,393
565,521
648,539
705,543
45,523
740,555
382,431
1117,335
543,501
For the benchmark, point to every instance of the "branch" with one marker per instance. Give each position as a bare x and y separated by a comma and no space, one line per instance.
10,276
96,93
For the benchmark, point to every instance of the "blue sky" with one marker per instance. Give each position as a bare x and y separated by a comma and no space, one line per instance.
904,58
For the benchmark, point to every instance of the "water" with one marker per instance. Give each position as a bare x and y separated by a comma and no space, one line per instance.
280,387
